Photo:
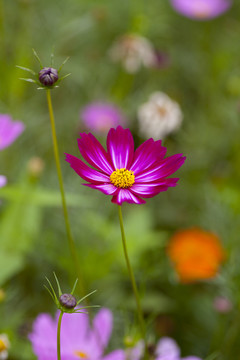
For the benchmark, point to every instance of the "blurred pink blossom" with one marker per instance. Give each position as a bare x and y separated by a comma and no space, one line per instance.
78,338
3,180
201,9
9,130
222,304
101,116
166,349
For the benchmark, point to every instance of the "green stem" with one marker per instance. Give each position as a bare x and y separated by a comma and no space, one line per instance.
65,211
58,335
132,278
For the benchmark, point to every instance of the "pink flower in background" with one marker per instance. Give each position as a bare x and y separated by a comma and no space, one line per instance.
123,173
222,304
100,116
78,339
9,130
3,180
166,349
201,9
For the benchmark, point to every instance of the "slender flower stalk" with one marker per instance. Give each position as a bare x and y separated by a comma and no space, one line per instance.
58,335
132,278
65,211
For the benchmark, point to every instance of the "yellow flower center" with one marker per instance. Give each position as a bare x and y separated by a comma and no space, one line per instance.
122,178
3,345
81,354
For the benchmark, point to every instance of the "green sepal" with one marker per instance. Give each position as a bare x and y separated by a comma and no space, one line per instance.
57,302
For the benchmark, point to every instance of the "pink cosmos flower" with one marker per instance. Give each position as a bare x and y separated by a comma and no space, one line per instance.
123,173
9,130
166,349
3,180
100,116
201,9
78,339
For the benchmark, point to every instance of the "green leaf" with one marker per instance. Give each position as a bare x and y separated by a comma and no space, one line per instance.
29,80
26,69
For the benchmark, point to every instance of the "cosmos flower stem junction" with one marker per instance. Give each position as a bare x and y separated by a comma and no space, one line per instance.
58,335
132,278
64,205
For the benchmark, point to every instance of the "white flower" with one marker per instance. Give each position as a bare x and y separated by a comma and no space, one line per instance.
4,346
159,116
133,51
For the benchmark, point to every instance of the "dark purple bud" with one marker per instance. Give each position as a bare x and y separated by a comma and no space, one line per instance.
48,76
68,301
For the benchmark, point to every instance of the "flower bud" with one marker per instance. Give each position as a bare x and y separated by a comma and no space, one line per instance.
48,76
35,166
68,301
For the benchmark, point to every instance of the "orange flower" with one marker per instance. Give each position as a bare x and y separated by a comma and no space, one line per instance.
196,254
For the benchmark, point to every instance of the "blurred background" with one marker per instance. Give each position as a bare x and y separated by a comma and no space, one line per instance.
194,61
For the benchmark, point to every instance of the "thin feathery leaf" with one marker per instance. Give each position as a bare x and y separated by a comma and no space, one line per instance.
28,80
86,296
80,312
37,57
74,286
53,291
64,62
46,88
52,57
63,77
90,306
58,285
26,69
52,296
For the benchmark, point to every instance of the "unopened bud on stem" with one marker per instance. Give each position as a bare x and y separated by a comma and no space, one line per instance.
68,301
48,76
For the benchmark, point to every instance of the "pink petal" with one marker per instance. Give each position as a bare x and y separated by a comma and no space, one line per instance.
43,336
120,146
152,189
107,189
128,196
94,153
9,130
85,171
3,180
102,326
147,154
74,331
161,169
167,348
115,355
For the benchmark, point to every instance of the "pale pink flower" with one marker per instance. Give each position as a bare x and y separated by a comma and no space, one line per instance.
79,340
201,9
9,130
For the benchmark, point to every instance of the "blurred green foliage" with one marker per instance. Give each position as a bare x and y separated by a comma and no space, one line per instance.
204,77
